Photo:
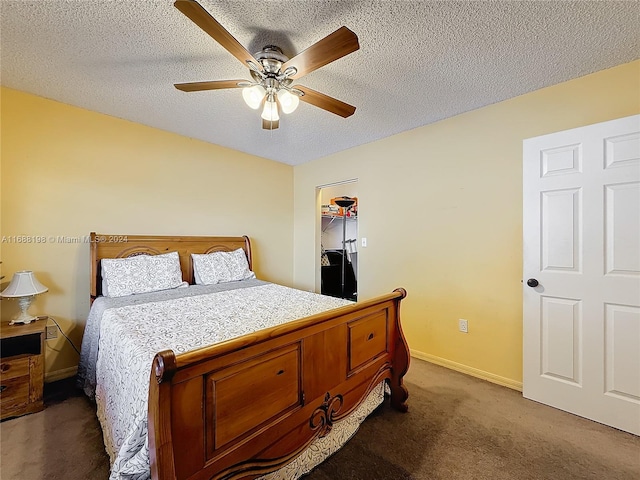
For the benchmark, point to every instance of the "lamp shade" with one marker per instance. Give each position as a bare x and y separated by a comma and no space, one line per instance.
270,112
23,284
344,201
288,101
253,96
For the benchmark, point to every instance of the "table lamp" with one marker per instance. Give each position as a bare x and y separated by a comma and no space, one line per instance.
24,286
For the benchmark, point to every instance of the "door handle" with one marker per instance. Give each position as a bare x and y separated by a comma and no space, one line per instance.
532,282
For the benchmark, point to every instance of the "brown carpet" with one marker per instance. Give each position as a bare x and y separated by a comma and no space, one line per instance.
458,427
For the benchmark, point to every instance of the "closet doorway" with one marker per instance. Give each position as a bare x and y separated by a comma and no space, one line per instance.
338,253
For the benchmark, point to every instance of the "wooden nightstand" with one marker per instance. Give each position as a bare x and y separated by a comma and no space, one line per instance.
21,368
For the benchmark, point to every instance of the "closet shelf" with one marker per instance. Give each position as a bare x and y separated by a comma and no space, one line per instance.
332,218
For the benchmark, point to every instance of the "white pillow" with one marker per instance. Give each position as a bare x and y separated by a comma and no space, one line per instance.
140,274
221,267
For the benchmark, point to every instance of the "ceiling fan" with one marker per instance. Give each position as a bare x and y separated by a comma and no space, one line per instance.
273,72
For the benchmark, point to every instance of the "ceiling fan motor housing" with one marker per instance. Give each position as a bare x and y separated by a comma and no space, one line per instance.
271,58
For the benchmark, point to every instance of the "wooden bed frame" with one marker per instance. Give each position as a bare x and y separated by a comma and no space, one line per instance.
248,406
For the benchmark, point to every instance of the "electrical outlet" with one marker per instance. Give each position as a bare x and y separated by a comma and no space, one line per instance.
52,332
463,325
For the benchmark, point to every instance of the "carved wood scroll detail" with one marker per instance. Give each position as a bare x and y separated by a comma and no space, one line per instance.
164,366
136,251
218,248
323,417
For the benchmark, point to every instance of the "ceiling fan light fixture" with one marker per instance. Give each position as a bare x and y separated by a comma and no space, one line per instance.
288,102
253,96
270,111
272,71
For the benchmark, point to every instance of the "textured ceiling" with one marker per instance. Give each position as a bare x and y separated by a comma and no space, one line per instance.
419,61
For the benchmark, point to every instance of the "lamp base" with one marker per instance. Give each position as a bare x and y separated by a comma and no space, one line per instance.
23,320
24,317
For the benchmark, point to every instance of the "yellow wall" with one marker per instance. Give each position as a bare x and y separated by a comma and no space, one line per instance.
441,207
68,171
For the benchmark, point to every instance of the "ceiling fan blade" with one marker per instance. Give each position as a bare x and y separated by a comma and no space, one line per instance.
332,47
198,15
267,125
214,85
326,102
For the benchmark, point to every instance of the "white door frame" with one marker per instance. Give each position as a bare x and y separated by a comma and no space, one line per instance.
318,194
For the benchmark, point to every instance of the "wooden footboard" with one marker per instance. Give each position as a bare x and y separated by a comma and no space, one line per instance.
248,406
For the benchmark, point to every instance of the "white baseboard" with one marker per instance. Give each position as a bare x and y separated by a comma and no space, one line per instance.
60,374
474,372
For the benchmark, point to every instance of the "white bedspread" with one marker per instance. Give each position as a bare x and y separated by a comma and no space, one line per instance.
130,336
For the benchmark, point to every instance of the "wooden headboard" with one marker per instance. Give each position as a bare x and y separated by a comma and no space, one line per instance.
122,246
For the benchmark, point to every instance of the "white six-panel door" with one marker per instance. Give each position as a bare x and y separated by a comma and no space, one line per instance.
581,233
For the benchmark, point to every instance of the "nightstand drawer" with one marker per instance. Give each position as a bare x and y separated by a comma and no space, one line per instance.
14,395
12,368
